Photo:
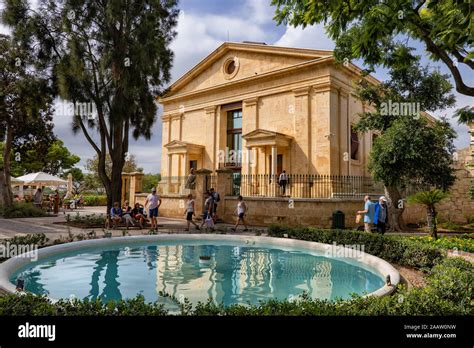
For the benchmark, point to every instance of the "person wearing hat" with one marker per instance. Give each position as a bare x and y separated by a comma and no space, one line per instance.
381,214
153,201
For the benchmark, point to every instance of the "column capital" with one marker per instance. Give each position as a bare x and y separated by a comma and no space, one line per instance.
250,101
302,92
210,110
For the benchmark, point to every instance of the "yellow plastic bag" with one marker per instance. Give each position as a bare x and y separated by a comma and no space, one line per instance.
358,218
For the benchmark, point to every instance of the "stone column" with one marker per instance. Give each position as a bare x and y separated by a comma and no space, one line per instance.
136,179
303,128
186,164
273,187
212,139
224,188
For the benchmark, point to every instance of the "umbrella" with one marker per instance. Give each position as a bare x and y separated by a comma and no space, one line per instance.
42,179
15,180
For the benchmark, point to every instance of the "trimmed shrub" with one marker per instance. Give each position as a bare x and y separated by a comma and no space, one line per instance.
400,250
95,200
21,210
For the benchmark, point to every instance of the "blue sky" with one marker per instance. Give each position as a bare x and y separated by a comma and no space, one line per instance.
203,26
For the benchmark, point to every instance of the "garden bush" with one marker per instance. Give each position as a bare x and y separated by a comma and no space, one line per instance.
449,291
86,221
400,250
95,200
464,242
21,210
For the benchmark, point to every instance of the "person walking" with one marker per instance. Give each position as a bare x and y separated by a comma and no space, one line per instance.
283,181
153,201
190,212
381,214
216,199
57,200
38,198
241,210
369,212
208,208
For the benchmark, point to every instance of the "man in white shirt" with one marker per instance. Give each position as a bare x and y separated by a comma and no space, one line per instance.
283,181
153,201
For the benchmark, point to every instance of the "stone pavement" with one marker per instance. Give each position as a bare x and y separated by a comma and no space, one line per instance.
48,225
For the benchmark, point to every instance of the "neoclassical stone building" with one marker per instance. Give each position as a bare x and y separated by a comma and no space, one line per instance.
259,109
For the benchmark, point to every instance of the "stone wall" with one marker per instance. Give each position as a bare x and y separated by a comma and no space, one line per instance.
171,206
458,207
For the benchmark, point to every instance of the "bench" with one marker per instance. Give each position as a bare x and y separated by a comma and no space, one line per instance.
110,225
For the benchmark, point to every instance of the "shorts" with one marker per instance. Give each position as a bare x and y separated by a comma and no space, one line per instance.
153,212
241,215
205,215
189,216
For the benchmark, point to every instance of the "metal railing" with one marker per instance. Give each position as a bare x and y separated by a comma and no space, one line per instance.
305,186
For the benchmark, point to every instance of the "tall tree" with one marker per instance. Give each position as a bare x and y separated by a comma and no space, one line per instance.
369,29
410,150
30,156
25,108
109,56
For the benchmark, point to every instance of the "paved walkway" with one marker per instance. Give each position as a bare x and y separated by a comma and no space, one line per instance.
48,225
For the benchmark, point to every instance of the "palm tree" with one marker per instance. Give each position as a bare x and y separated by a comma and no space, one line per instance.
465,115
429,199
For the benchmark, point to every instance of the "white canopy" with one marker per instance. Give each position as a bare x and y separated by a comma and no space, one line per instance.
41,179
15,180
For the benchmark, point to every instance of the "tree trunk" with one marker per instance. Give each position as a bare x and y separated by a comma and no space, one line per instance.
431,221
6,194
395,208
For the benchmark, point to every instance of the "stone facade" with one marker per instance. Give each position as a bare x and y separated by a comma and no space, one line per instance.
296,106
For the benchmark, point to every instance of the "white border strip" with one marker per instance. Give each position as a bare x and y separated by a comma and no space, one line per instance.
382,267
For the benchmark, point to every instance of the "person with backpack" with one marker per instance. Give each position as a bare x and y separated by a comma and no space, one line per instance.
207,212
216,198
381,214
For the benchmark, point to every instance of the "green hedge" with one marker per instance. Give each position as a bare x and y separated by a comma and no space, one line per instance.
399,250
21,210
95,200
449,291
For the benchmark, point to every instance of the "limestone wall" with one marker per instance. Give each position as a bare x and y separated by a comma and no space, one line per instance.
171,206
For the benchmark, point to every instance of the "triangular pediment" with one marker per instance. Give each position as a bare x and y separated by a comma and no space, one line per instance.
263,137
249,60
263,133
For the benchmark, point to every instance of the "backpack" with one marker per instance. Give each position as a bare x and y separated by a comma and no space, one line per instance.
217,197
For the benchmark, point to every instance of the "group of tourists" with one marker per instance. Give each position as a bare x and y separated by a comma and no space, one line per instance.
138,214
375,214
209,215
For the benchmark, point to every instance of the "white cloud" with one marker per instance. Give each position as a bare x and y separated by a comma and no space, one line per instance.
309,37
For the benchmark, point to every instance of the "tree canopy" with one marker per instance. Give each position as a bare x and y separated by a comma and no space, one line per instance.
109,56
371,29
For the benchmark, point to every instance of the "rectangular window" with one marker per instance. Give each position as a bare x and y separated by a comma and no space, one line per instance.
234,137
354,144
234,130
